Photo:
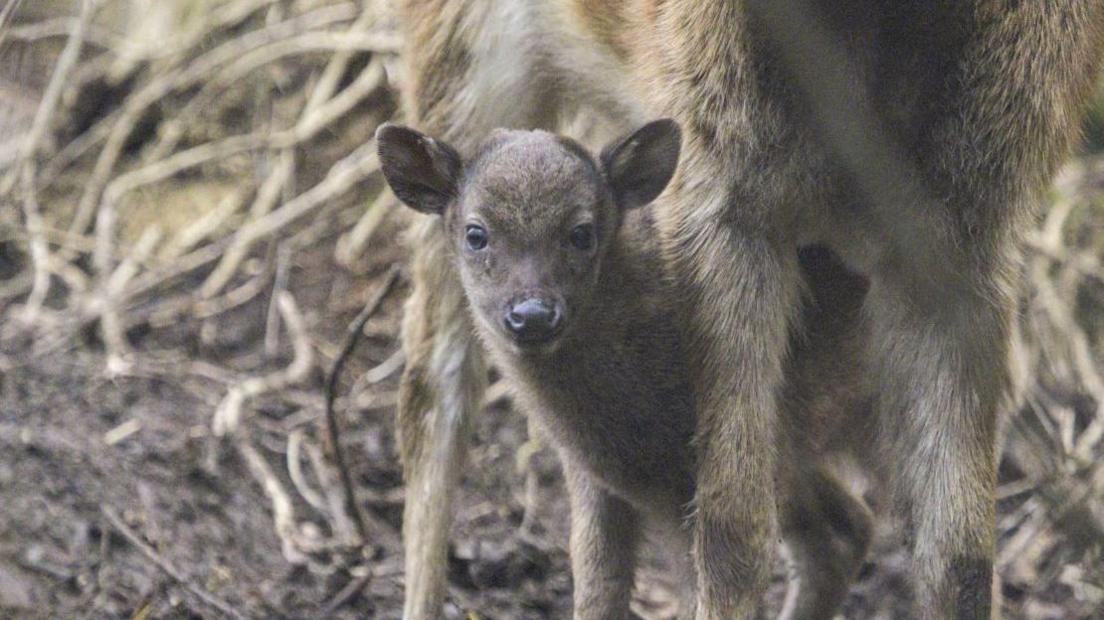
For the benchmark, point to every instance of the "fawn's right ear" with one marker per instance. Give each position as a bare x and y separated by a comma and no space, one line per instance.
424,173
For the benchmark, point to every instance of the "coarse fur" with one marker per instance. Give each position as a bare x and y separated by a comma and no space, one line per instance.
912,139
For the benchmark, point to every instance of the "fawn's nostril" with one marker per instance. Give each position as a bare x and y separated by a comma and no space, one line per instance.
515,321
533,320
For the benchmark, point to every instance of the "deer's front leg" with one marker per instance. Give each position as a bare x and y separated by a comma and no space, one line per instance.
739,290
454,87
943,360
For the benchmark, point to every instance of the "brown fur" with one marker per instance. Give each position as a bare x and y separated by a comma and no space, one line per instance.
911,140
612,391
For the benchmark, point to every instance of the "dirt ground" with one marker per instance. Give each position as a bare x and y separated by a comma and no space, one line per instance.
68,467
78,450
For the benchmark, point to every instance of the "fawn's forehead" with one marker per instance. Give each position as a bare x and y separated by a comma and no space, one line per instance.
532,175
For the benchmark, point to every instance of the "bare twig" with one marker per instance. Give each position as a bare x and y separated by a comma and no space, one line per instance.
337,64
343,523
272,317
62,26
151,280
351,245
283,511
333,439
268,194
129,266
206,308
342,176
228,415
40,253
295,471
25,167
162,563
6,13
70,274
68,59
205,226
111,285
347,593
199,70
386,368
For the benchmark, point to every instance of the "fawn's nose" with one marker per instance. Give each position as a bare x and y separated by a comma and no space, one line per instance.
533,320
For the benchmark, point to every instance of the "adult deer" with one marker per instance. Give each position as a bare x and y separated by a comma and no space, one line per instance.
913,139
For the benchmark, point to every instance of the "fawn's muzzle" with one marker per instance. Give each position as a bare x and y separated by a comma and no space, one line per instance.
533,320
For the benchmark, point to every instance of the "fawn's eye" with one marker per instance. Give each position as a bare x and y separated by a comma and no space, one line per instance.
476,236
582,237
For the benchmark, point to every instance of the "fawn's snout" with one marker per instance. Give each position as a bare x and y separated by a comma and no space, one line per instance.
534,320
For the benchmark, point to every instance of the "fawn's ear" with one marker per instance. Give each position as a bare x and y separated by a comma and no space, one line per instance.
424,173
639,166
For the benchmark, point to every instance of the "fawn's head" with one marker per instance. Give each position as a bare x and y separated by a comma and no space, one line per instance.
530,216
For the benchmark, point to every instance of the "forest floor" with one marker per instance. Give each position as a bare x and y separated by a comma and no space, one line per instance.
89,463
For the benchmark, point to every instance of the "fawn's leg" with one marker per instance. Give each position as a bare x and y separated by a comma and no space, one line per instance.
739,290
827,531
605,533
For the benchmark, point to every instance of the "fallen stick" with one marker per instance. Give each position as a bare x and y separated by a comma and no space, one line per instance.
228,415
343,176
180,78
333,439
162,563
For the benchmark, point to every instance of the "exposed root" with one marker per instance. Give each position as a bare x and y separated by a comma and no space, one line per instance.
229,413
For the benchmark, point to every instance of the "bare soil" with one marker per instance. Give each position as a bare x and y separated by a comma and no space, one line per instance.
64,470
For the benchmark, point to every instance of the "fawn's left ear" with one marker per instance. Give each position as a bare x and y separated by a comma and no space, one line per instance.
639,166
424,173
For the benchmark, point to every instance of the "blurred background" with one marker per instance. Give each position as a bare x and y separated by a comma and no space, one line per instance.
191,215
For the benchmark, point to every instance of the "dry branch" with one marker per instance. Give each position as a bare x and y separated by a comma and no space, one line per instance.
228,415
26,169
342,176
333,438
158,560
63,26
295,471
283,511
40,253
183,77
